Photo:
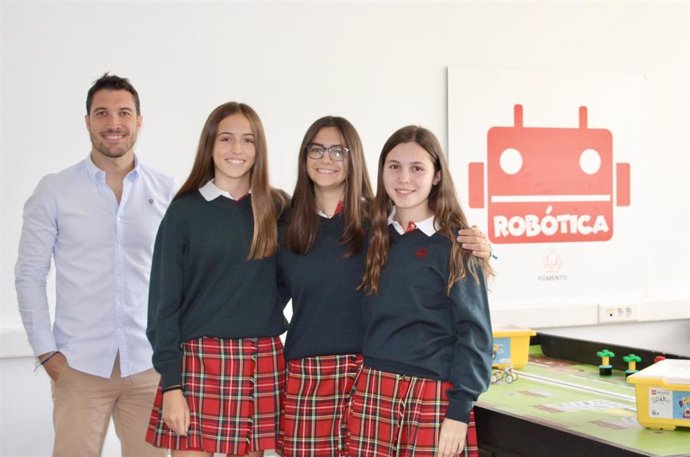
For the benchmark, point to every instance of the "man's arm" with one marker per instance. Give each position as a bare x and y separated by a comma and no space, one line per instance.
39,234
53,362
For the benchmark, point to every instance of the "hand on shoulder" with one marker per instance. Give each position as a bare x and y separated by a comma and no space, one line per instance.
475,240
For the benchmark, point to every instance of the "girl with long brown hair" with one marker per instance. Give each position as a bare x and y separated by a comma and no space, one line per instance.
320,263
215,314
427,339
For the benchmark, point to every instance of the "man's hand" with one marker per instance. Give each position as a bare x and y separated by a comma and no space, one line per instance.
176,412
452,438
475,240
55,365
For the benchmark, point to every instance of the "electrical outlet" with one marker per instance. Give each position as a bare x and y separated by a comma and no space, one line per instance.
611,314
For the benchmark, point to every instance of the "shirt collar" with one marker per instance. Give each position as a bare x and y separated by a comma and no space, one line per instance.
338,209
94,171
427,226
210,192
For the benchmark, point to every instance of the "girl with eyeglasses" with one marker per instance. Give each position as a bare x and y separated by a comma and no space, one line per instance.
427,339
321,263
215,313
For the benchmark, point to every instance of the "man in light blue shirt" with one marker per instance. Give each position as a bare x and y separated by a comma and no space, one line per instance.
97,220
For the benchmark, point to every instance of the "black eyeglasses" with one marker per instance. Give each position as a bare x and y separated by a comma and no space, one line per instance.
336,152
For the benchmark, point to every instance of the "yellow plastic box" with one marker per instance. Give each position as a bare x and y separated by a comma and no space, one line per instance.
662,392
511,347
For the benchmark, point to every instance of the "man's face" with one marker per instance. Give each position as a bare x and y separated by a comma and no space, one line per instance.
113,123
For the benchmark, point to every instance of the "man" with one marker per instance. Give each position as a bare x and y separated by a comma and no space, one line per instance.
97,220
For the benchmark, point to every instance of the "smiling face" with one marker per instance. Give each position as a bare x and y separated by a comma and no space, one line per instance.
408,176
325,173
234,153
113,123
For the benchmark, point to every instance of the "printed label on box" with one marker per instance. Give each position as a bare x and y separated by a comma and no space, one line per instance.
660,403
501,351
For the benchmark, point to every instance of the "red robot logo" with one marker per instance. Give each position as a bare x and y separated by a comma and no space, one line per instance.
549,184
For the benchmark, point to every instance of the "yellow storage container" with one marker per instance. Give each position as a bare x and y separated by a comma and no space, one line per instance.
511,347
662,392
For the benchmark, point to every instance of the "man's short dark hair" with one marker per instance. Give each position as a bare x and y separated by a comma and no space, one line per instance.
112,82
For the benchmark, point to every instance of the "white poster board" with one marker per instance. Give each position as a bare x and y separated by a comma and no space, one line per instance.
551,165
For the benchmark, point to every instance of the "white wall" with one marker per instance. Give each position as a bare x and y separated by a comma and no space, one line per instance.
382,65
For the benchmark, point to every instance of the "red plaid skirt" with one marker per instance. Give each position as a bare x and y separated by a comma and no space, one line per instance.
396,415
233,388
316,403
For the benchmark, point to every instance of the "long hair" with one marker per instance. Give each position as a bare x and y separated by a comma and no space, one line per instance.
267,203
303,226
443,202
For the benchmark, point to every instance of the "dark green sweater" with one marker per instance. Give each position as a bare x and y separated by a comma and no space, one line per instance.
202,283
414,328
326,307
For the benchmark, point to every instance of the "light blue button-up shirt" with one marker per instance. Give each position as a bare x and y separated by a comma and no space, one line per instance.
102,253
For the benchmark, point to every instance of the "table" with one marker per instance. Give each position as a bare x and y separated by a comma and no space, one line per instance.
561,407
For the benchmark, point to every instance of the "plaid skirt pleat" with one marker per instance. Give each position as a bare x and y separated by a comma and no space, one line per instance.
233,388
316,402
401,416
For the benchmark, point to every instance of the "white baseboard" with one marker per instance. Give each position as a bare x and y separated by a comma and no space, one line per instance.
542,316
13,342
578,315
